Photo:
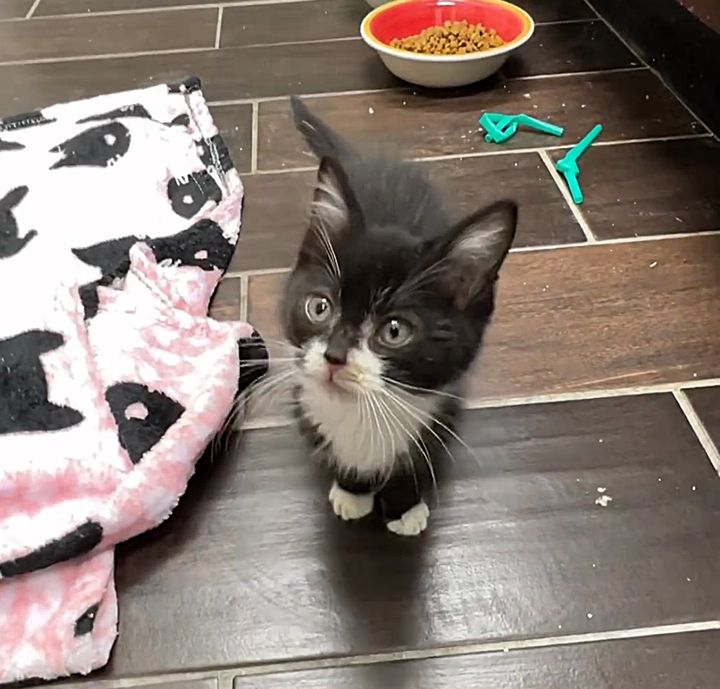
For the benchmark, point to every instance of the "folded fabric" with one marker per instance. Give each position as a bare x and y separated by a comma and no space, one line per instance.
118,216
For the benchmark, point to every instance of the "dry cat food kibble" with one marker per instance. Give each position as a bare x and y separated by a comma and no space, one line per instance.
452,38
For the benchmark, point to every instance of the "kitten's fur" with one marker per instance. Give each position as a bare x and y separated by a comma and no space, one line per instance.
387,303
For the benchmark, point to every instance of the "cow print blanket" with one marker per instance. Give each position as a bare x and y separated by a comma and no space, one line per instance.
118,216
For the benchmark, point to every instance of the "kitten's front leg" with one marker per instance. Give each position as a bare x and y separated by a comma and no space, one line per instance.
351,499
404,510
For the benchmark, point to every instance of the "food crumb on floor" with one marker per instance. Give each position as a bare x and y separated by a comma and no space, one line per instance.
603,500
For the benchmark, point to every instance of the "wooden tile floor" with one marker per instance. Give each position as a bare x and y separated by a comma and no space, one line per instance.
601,373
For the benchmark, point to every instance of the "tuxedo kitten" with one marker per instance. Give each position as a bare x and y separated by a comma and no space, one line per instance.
386,306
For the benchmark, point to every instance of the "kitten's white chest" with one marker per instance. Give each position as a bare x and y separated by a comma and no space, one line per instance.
364,438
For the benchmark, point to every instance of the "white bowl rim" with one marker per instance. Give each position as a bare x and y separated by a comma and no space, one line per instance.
468,57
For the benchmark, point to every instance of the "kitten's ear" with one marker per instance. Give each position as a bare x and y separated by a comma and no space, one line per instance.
479,246
333,201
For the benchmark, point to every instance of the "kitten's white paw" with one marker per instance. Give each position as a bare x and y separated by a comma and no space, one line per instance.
348,505
412,523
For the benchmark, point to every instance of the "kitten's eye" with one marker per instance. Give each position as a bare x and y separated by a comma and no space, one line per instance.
318,309
395,333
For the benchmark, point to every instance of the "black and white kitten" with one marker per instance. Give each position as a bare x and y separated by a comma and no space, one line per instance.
387,305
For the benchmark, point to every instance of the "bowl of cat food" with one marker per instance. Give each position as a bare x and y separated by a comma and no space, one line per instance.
446,43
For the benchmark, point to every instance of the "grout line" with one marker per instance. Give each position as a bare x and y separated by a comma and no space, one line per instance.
254,139
509,151
227,674
583,73
158,8
278,421
244,294
218,30
597,393
562,187
479,648
235,274
409,89
225,680
622,40
32,9
698,428
103,56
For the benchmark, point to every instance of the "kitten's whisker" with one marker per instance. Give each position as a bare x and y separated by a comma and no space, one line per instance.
449,430
423,450
417,388
382,410
269,384
376,427
410,409
397,423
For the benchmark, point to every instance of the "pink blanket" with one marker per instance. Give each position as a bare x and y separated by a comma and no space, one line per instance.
118,216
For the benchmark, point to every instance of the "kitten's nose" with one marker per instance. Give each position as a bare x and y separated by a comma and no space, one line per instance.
336,357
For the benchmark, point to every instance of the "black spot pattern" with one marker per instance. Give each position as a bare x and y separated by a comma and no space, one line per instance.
138,435
24,404
86,622
10,146
10,240
79,541
24,121
188,197
96,147
188,86
203,245
135,110
213,151
181,121
110,256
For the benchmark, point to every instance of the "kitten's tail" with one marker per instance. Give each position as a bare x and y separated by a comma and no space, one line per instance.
323,141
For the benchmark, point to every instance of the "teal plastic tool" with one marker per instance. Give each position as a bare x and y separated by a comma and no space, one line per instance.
568,166
496,126
499,127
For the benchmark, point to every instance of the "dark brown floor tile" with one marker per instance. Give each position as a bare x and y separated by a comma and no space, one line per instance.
227,74
652,188
587,318
706,402
225,305
575,47
629,104
252,566
11,9
107,34
277,205
707,11
651,663
235,125
288,22
54,7
558,10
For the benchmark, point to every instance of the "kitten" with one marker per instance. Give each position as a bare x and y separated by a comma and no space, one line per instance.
387,305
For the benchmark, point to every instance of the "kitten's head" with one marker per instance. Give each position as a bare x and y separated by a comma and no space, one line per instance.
386,289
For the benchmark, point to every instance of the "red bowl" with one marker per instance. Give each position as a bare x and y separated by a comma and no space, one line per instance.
403,18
